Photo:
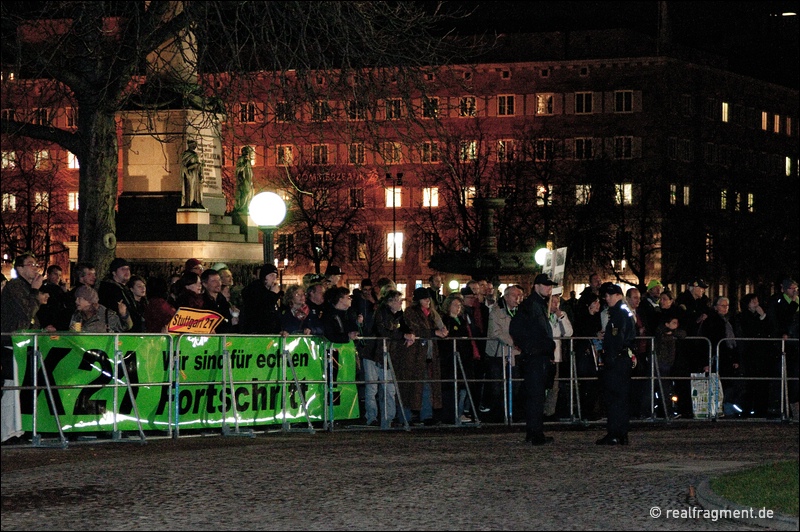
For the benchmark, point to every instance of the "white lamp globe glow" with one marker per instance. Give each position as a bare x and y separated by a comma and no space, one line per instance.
267,209
454,285
541,256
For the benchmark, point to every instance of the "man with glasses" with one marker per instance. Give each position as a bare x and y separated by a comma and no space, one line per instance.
20,303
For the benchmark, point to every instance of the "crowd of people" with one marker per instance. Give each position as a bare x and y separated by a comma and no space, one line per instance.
448,352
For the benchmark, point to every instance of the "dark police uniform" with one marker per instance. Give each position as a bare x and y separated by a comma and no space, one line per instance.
530,329
619,336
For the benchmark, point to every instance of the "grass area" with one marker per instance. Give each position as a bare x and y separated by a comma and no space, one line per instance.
773,486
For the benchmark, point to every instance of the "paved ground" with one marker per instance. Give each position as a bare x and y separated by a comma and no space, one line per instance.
428,479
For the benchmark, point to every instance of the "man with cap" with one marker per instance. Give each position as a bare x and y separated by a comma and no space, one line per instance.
649,308
259,312
695,305
115,294
530,329
619,336
333,275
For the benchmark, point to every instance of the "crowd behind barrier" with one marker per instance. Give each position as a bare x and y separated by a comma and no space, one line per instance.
163,383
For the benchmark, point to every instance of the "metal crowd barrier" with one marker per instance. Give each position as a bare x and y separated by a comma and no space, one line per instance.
114,372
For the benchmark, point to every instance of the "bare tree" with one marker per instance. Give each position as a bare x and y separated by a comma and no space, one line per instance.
35,215
100,57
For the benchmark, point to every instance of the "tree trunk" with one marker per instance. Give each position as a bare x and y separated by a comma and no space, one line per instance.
98,193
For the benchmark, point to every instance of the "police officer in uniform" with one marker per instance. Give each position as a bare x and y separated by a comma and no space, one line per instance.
531,332
618,338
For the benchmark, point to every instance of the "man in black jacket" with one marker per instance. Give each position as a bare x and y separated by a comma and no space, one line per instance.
531,332
259,313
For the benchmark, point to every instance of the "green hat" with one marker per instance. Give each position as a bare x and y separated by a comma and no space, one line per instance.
653,283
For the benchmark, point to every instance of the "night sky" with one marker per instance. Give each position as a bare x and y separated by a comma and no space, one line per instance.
755,39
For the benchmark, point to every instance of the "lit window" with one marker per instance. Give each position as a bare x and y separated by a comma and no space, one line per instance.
686,195
673,194
468,150
764,120
468,195
750,202
776,124
430,197
72,201
723,199
9,159
319,154
430,152
788,166
284,155
624,194
355,153
505,150
709,247
72,161
42,200
358,247
467,107
788,126
394,197
394,245
430,107
623,101
725,117
544,104
544,195
394,109
583,103
41,159
505,105
583,194
9,202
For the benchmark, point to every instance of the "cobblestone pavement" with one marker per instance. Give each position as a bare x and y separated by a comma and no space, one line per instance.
429,479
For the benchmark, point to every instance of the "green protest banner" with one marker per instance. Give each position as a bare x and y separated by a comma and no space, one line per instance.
89,389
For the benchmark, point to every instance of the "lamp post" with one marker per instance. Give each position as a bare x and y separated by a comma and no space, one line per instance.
396,181
267,210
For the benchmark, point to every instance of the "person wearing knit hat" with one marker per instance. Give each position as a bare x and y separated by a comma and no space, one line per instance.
193,265
115,294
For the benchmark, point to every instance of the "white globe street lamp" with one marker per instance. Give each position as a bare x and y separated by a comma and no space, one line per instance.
267,210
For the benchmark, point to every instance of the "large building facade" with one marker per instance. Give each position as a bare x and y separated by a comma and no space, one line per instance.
643,164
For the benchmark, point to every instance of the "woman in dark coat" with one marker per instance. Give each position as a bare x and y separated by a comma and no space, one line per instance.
418,367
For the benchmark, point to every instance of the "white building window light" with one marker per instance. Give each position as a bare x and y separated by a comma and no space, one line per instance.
72,201
430,197
394,197
394,245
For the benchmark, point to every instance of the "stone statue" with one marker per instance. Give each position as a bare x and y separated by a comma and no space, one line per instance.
244,181
192,175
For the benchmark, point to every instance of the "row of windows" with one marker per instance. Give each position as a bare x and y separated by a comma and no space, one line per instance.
41,160
581,102
41,201
504,150
748,117
732,156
